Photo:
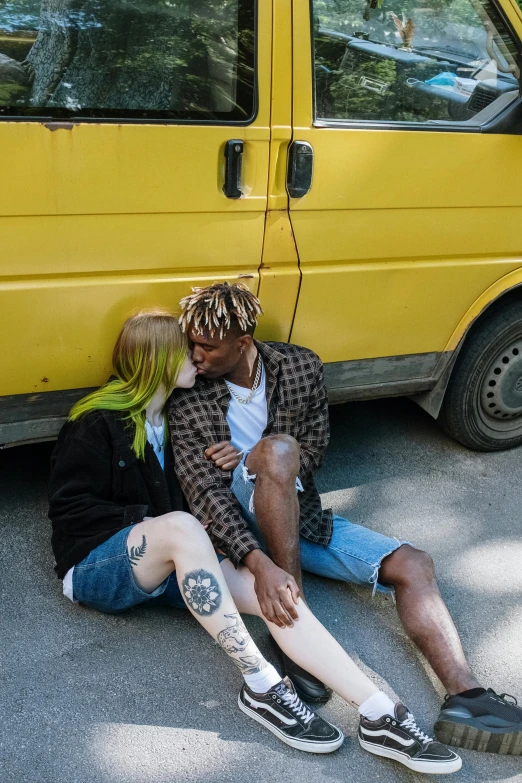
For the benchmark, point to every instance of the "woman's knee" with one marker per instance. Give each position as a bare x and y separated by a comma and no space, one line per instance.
182,529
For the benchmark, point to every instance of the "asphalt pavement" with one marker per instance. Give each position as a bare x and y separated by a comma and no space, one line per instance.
147,697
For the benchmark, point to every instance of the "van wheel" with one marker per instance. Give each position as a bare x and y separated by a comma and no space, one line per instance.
482,407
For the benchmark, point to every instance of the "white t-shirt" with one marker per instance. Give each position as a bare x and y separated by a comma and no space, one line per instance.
155,436
247,422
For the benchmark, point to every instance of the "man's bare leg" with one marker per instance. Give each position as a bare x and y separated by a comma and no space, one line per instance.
425,617
275,462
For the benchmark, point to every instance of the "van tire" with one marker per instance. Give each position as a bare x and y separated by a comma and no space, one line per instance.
482,407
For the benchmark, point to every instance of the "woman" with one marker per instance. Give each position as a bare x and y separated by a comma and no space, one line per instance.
121,537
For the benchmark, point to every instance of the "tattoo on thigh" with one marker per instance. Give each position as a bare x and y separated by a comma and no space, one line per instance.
235,639
137,552
201,592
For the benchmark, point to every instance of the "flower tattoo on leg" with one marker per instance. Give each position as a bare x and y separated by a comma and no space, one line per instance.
201,592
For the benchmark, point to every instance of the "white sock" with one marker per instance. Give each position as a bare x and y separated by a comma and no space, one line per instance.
262,681
376,706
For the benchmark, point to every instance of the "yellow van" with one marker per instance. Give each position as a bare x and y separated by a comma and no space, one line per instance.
357,162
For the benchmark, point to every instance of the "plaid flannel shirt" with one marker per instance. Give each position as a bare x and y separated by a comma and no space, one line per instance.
297,405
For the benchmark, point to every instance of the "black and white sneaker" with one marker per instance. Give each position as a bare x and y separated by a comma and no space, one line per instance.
285,715
398,737
485,722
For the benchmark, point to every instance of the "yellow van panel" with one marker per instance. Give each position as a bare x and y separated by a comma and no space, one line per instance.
111,169
514,13
107,244
499,287
437,235
401,231
41,354
400,169
364,311
279,273
279,278
367,293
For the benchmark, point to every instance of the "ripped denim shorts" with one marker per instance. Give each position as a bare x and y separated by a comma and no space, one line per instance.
354,554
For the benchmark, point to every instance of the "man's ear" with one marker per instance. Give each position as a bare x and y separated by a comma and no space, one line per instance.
244,342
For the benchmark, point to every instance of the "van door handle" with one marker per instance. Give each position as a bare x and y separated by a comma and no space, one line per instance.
300,169
233,167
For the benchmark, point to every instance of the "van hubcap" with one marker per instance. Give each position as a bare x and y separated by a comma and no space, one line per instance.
501,392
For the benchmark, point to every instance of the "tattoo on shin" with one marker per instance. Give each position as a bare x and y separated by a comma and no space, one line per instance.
235,639
137,552
251,664
201,592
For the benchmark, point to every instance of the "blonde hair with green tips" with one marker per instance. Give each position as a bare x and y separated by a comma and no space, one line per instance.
150,351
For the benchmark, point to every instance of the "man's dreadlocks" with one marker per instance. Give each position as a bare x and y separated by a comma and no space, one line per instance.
220,307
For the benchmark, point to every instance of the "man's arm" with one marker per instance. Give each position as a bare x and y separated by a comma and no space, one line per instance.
314,432
206,486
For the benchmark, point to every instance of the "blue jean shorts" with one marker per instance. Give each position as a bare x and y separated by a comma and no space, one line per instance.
354,553
104,580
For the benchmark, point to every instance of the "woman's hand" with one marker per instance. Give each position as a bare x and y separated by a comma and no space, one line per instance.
224,454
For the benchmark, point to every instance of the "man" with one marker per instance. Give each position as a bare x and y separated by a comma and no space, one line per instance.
269,401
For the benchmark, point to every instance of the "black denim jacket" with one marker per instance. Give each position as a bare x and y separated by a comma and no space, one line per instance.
98,486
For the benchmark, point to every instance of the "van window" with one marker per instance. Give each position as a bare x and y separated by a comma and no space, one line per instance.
137,59
413,61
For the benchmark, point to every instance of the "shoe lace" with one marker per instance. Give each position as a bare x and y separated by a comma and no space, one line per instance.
506,696
299,709
412,727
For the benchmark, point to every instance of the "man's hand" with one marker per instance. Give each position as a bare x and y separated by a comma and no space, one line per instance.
224,454
277,591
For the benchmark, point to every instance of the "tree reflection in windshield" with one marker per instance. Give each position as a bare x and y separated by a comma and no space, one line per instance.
186,58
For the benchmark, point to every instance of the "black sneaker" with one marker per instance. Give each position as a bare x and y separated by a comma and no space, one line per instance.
284,714
309,688
487,722
398,737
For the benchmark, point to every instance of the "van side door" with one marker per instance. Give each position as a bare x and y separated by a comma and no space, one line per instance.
135,145
409,114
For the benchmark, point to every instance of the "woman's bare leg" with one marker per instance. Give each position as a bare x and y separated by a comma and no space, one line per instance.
177,541
308,643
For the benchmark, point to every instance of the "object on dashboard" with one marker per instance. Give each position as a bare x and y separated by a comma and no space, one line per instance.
406,28
450,81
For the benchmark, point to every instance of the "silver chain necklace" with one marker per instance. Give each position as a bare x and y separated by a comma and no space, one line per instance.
159,443
257,379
